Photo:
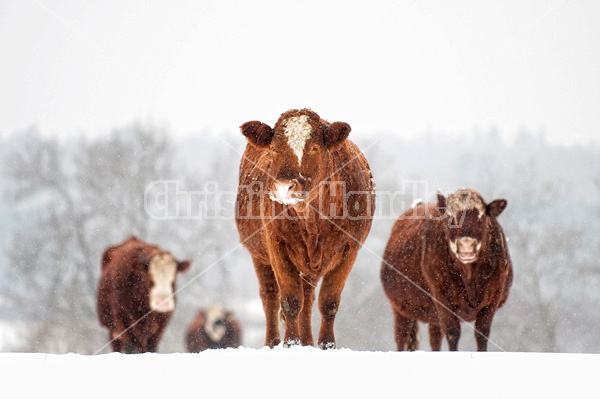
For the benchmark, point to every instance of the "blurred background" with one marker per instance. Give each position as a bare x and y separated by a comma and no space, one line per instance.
99,100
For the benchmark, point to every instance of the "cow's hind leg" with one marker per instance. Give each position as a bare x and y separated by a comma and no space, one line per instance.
306,337
406,333
269,294
435,336
413,337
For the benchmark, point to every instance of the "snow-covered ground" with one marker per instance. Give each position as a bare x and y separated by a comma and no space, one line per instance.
300,372
9,333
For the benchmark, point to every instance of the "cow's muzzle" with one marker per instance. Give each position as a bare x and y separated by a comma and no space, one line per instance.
466,249
162,305
287,192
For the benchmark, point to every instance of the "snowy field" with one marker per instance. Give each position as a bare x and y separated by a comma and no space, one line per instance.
298,372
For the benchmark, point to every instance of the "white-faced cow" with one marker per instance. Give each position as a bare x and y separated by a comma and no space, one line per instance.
446,263
136,294
213,328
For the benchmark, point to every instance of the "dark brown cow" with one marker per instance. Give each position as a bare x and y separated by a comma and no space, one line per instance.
136,294
213,328
445,263
304,207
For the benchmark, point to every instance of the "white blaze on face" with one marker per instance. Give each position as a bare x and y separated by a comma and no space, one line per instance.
298,131
464,200
162,270
213,315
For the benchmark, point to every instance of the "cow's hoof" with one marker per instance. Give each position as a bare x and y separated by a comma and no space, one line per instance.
291,342
327,345
130,348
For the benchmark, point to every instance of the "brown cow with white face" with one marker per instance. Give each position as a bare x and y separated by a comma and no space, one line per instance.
213,328
136,294
444,263
304,206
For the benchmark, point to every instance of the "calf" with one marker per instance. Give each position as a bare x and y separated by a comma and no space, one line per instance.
446,263
304,207
213,328
136,294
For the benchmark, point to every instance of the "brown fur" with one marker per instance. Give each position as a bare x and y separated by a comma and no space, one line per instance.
294,251
123,297
418,253
197,340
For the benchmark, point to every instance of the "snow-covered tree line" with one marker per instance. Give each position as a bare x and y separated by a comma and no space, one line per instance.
64,201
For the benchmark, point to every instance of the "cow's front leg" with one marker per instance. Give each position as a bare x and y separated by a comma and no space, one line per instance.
269,294
291,295
449,322
152,343
451,326
330,294
121,337
483,326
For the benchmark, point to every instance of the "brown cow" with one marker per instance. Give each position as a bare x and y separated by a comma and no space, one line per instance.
213,328
295,216
446,263
136,294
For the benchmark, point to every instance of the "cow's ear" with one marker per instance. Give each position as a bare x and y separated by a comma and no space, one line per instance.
441,201
184,266
496,207
257,133
335,134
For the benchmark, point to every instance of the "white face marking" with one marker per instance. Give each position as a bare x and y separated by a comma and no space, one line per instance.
214,314
465,249
463,200
162,271
298,131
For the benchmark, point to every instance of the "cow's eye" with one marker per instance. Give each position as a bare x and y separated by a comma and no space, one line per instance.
315,147
272,148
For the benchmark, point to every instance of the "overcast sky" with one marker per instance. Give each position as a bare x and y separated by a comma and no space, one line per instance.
404,67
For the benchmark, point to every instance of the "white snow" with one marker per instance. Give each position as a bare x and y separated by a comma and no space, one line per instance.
9,333
298,372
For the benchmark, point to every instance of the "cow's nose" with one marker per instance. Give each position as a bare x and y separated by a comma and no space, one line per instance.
287,192
163,305
467,244
284,185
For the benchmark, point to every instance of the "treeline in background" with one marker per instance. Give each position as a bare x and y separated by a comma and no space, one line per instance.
63,201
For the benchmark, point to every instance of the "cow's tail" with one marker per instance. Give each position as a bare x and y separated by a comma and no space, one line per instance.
413,337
